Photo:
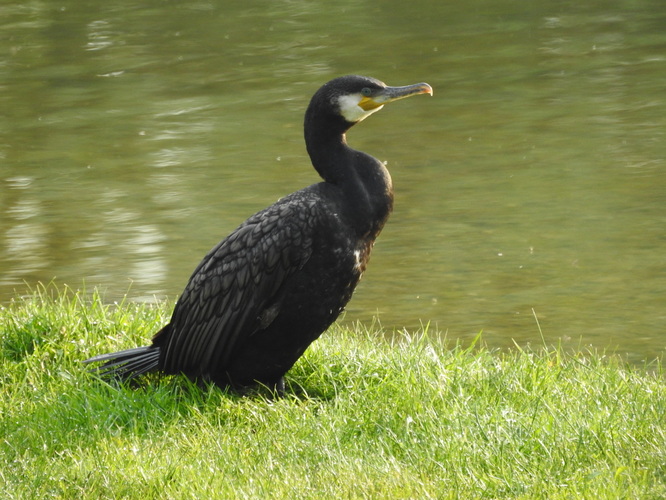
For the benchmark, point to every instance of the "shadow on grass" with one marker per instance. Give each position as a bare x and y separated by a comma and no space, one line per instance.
156,401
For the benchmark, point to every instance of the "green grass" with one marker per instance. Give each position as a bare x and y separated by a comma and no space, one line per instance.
363,418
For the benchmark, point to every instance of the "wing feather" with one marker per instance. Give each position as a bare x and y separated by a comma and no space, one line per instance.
231,290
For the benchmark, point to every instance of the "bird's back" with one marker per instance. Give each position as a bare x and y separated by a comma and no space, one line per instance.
264,293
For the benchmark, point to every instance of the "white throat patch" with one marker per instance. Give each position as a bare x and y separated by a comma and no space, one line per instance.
351,111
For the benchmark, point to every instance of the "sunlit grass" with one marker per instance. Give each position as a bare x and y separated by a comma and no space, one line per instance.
363,418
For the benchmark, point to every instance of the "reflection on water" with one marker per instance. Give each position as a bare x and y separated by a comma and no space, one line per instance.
135,137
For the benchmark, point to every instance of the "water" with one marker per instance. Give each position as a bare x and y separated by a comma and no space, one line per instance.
532,185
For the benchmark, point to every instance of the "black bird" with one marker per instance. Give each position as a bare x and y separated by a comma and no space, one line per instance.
269,289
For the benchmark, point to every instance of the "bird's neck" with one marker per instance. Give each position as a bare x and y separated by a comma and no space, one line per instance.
363,180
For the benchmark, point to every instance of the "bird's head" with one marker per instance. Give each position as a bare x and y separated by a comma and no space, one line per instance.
356,97
361,96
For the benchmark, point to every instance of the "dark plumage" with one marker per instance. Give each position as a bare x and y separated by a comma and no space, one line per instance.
264,293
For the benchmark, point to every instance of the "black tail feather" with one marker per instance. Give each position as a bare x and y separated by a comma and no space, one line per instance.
127,364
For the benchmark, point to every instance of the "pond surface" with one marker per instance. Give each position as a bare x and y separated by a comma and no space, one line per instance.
134,136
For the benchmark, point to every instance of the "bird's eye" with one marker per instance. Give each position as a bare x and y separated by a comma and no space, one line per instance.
365,91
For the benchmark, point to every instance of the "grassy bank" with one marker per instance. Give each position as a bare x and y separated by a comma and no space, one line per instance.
364,418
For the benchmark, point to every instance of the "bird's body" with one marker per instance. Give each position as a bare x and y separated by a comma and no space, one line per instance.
264,293
279,273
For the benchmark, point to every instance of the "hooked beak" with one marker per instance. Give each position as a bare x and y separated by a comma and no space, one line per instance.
390,94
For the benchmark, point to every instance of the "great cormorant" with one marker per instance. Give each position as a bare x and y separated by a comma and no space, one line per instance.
269,289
